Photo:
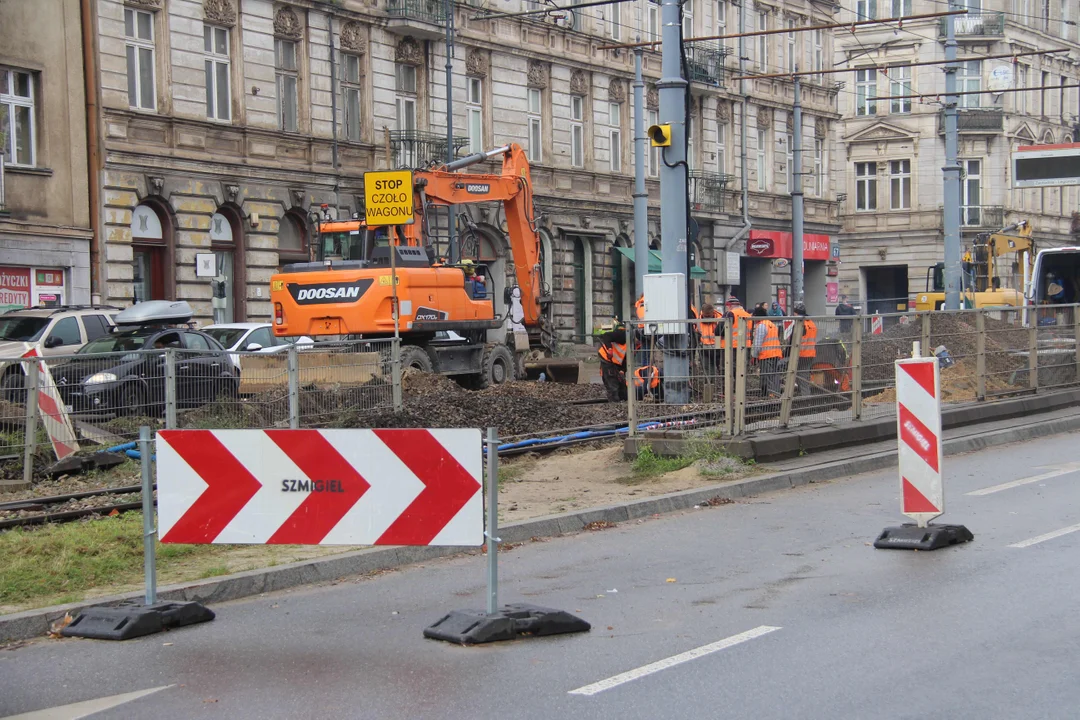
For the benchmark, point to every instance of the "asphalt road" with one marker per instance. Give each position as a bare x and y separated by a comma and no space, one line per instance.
829,626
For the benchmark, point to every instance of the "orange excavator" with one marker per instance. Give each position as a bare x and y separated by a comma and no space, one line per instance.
449,321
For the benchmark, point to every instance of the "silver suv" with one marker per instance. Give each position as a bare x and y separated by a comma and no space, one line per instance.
56,331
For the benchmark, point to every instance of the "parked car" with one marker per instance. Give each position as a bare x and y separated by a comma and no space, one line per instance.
252,337
56,331
124,372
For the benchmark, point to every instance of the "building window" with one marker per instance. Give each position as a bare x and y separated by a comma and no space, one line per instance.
350,90
536,125
721,148
721,16
474,114
691,153
577,131
971,193
866,9
865,91
615,136
139,31
791,56
762,160
819,167
1066,23
1061,100
790,142
218,97
18,133
652,117
969,78
901,8
654,21
688,19
865,186
819,54
405,112
615,26
763,41
900,84
1042,94
288,78
900,184
1046,15
1021,84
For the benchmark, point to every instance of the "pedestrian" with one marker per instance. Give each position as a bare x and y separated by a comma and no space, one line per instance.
845,310
767,352
775,310
807,348
707,333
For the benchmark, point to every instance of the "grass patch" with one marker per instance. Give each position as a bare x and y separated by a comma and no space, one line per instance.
511,472
649,464
711,461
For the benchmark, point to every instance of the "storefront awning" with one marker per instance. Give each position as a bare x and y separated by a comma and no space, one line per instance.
655,263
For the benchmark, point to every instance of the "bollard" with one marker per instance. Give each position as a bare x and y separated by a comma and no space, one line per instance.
170,389
395,373
30,437
492,532
293,369
149,529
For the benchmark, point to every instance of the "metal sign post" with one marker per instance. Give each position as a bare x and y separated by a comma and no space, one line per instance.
149,529
492,531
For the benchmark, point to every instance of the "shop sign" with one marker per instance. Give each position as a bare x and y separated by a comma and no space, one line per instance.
52,278
775,244
832,292
14,287
781,298
760,247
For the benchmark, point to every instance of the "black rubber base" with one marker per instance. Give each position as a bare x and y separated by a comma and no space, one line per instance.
128,621
472,627
912,537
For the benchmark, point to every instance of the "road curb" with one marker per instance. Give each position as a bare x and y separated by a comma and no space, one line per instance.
35,623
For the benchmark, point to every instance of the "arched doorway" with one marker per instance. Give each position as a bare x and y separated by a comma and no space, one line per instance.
622,276
293,239
152,252
581,286
227,242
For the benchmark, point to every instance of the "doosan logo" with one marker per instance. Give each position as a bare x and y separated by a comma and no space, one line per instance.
328,292
477,188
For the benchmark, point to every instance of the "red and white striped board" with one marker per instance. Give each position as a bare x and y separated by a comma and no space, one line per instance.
320,487
51,410
877,325
918,428
789,328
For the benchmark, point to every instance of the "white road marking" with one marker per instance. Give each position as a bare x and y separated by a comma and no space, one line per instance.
1055,471
672,661
86,707
1047,536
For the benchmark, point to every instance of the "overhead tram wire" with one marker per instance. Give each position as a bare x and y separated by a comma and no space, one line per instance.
987,92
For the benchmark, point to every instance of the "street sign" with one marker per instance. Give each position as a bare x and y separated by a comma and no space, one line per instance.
320,487
877,325
918,424
1046,165
388,197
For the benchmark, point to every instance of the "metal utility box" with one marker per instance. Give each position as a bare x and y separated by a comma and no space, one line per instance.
665,299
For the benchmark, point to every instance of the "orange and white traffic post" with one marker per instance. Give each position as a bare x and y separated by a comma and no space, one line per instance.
918,432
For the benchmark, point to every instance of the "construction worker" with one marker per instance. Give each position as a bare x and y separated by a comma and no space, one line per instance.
808,347
767,352
707,332
612,352
735,311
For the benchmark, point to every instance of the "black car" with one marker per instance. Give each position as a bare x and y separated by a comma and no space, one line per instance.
124,373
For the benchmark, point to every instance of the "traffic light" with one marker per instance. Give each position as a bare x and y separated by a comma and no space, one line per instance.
660,135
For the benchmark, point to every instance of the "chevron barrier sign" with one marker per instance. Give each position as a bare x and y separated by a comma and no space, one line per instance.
918,424
320,487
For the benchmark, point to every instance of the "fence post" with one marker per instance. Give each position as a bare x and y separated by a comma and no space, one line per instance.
980,351
1076,339
740,377
395,372
170,389
293,369
1033,356
631,394
729,340
149,526
789,378
30,436
492,520
857,368
925,336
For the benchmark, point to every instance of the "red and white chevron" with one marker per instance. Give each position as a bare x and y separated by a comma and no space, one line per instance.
320,487
51,409
918,424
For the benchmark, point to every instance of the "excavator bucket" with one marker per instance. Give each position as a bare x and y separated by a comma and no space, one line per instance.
560,370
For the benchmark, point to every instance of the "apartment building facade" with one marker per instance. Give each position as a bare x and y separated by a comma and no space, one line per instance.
894,150
44,206
219,120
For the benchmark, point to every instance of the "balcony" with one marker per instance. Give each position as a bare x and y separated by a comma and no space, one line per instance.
984,217
415,149
988,24
975,120
705,63
425,19
706,190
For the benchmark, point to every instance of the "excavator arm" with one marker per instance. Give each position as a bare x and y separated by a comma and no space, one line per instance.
513,188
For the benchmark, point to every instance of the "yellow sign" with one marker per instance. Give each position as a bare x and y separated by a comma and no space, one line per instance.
388,197
277,285
385,280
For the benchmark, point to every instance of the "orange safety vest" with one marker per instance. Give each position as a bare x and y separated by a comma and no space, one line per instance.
809,339
739,312
616,353
771,347
647,376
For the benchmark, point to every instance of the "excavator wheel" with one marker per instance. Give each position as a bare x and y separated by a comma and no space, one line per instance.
416,358
498,367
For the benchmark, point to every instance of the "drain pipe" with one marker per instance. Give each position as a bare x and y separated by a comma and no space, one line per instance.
93,156
745,229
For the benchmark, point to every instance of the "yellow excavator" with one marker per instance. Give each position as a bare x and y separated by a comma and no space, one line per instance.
996,270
